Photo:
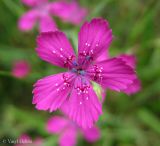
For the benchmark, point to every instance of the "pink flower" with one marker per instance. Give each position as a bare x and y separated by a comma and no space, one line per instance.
41,11
69,12
20,69
25,140
68,131
73,89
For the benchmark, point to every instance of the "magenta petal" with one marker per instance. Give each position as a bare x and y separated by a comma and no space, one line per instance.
28,20
92,134
52,91
103,56
113,73
129,59
68,137
69,12
93,39
33,3
83,106
134,87
56,124
55,48
47,24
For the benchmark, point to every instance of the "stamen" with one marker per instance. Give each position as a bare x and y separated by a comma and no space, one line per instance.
82,89
69,60
91,51
97,76
82,72
74,70
74,63
66,81
88,57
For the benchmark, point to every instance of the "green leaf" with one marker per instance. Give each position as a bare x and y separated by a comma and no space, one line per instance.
149,119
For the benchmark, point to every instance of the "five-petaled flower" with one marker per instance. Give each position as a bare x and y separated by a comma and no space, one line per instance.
72,90
68,131
42,10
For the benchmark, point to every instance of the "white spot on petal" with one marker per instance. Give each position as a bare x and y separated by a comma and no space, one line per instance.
53,52
101,67
80,102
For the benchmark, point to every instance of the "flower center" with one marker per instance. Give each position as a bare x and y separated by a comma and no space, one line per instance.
77,69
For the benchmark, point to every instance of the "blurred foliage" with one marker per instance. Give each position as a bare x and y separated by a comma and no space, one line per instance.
126,120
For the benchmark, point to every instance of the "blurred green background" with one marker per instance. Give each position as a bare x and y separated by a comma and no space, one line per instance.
126,120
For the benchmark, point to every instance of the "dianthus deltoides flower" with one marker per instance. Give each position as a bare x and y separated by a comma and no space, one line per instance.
72,90
42,10
68,131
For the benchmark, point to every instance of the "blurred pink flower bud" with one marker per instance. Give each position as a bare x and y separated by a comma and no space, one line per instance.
20,69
